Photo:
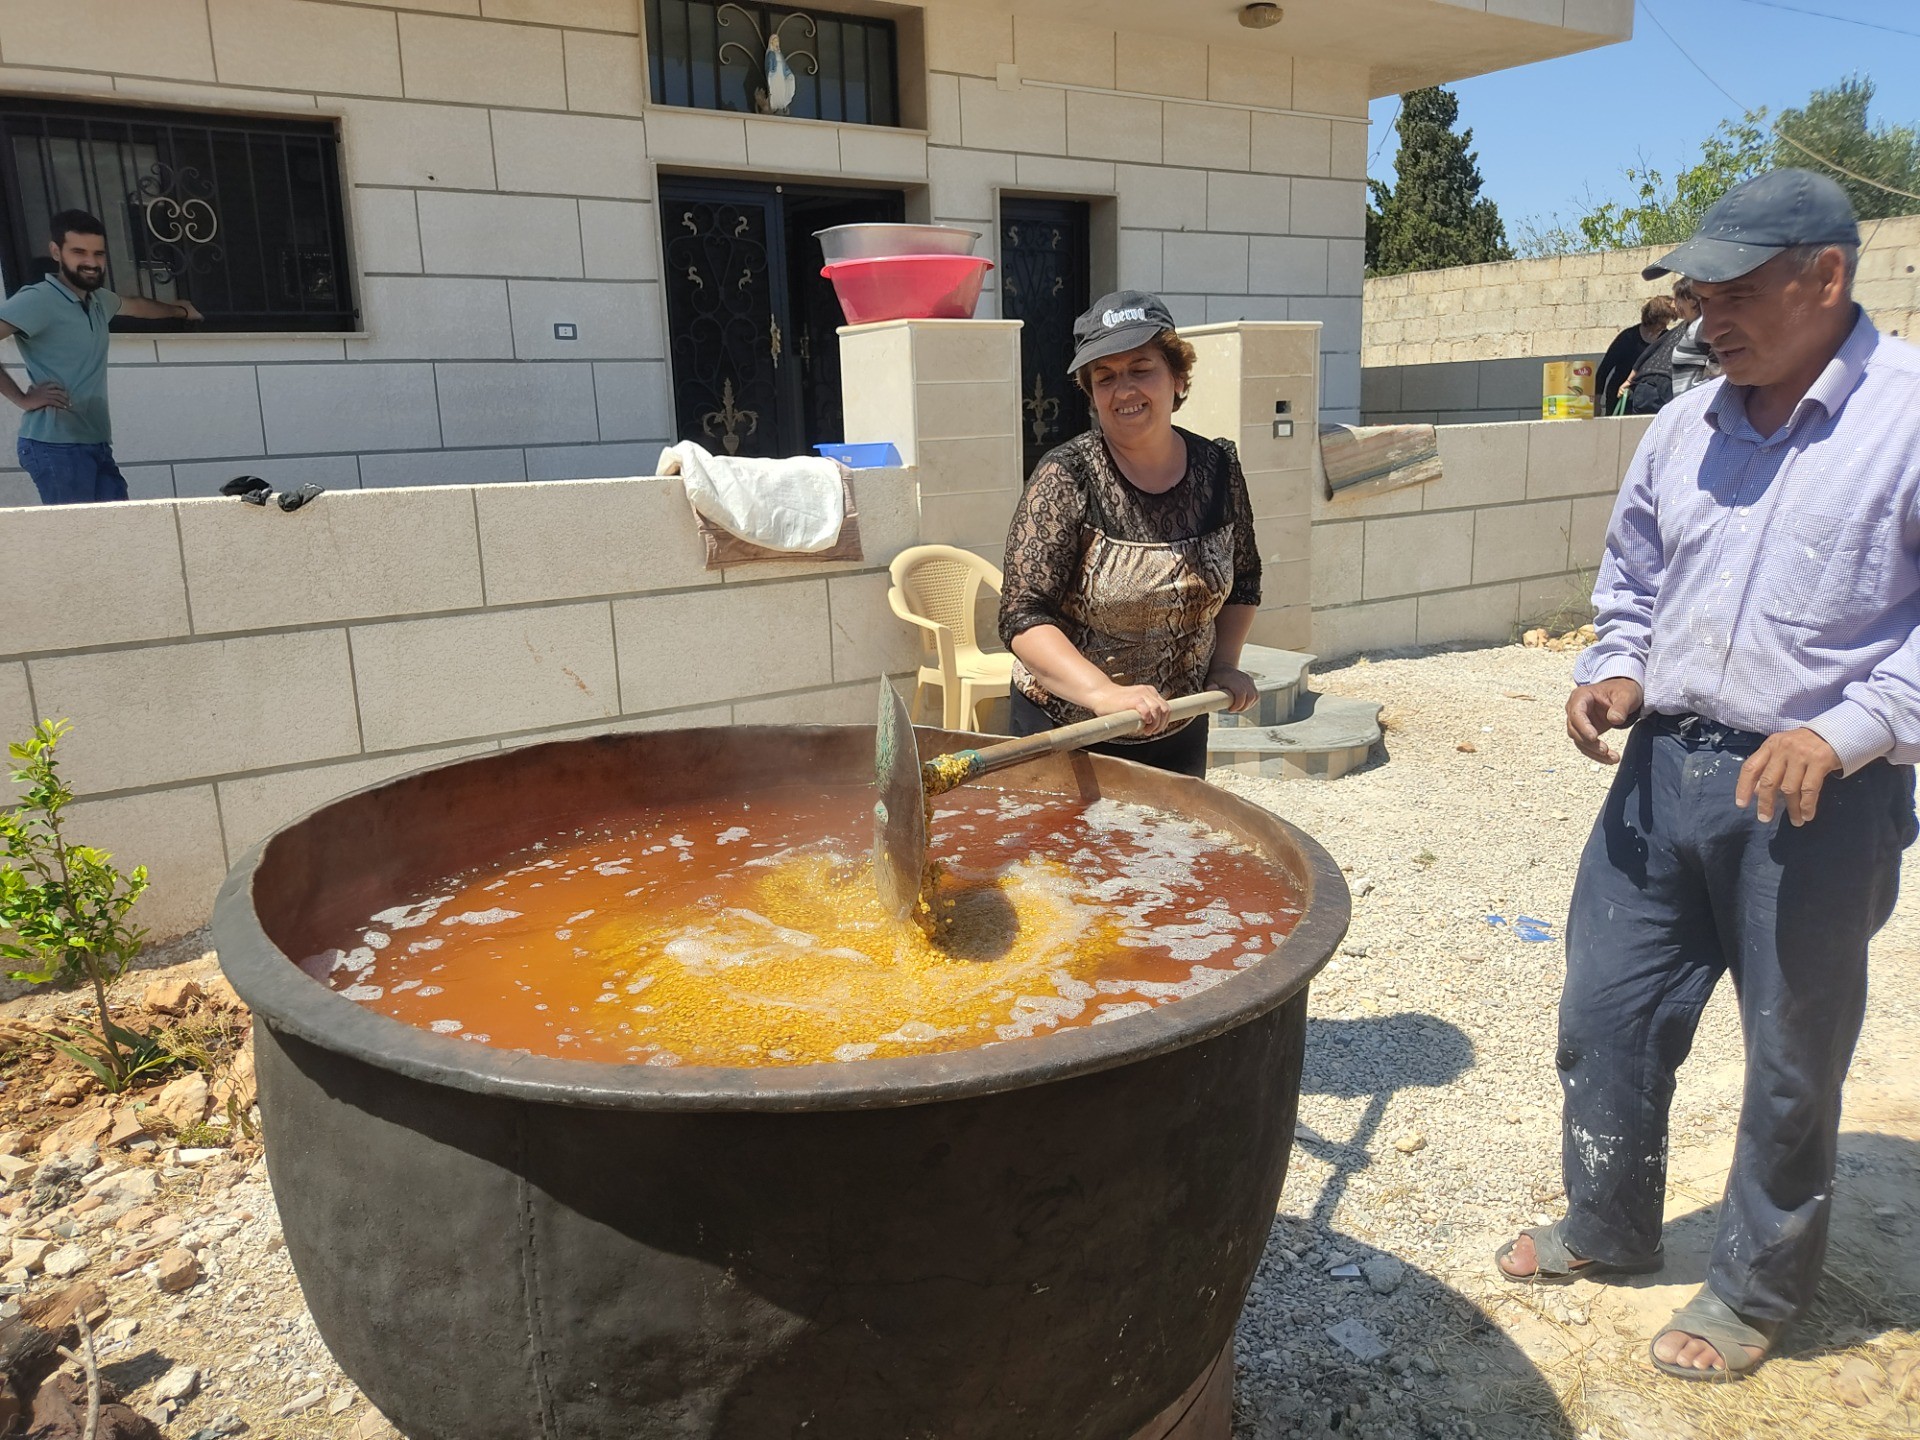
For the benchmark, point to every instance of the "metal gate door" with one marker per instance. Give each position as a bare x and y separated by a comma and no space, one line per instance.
1044,279
750,323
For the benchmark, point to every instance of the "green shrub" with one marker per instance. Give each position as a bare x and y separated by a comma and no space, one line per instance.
66,906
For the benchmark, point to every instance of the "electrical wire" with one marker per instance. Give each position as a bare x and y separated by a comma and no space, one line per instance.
1837,19
1385,131
1830,163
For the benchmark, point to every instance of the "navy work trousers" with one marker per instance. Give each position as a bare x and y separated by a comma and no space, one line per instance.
1675,888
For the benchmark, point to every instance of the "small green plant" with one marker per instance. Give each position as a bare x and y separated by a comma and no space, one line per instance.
1425,857
66,906
202,1136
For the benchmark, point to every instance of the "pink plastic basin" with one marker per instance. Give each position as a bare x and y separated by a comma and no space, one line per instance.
908,287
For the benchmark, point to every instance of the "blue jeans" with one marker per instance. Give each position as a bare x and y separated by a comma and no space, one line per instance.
1677,887
71,474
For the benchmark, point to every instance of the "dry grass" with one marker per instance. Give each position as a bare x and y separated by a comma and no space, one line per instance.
1612,1390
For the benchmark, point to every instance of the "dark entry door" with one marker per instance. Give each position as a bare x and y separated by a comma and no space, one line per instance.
1045,266
750,321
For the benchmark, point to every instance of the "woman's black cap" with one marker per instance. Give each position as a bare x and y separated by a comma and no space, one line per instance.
1117,323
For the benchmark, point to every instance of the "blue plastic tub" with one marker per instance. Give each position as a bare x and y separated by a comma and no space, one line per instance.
872,455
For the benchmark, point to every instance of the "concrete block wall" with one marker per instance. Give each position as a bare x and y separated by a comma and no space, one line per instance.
1243,373
947,394
1569,305
1235,174
227,667
1510,535
1462,392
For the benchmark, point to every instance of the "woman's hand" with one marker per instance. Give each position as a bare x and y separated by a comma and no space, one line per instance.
1143,698
1236,683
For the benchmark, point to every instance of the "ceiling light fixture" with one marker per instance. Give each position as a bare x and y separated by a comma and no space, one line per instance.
1260,17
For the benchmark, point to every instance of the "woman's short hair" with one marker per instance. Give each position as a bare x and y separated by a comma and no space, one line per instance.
1178,354
1683,289
1660,310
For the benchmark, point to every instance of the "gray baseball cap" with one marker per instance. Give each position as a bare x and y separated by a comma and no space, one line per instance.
1117,323
1756,220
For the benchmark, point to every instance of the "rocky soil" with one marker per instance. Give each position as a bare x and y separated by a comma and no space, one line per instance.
1427,1134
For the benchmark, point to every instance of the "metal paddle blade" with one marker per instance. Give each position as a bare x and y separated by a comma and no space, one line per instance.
899,808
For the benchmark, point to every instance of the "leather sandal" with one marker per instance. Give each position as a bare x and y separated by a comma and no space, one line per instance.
1554,1264
1707,1317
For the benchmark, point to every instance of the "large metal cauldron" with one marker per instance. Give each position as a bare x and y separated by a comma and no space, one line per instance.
1043,1239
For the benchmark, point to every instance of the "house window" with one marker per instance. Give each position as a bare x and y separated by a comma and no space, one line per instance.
757,58
240,215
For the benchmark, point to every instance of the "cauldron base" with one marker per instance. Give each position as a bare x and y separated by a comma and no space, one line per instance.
1204,1412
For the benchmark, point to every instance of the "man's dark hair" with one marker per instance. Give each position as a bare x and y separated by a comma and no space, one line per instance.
74,222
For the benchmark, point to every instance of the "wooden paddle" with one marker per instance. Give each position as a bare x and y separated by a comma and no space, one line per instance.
905,784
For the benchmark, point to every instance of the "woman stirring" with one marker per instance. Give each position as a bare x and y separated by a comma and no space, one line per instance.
1131,572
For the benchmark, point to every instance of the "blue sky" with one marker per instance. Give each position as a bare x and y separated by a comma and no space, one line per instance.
1550,134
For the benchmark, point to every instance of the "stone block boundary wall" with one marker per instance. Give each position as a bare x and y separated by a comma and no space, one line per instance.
228,667
1511,534
1458,392
1575,304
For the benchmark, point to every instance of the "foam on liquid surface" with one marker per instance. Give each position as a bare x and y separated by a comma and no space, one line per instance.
747,932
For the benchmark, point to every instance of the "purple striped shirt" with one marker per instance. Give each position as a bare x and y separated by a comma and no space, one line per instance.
1773,581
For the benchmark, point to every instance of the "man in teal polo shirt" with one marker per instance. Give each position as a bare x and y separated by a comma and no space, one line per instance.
60,324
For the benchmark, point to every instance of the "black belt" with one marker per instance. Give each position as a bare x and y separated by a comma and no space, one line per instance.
1699,731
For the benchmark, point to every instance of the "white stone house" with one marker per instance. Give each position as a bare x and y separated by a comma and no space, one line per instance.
471,240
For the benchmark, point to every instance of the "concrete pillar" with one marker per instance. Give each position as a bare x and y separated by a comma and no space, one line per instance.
1257,383
947,393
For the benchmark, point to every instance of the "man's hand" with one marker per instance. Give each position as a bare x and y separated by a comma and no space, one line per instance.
193,311
47,395
1594,709
1792,765
1236,683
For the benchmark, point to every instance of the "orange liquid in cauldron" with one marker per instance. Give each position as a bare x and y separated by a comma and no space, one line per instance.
747,932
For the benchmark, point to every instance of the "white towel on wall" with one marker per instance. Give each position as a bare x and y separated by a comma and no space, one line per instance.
796,504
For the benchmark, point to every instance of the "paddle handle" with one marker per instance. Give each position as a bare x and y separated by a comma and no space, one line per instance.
1090,732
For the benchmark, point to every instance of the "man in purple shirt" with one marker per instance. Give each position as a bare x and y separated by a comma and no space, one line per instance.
1757,608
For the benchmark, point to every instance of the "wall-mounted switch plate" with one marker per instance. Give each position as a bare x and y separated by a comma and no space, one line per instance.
1283,429
562,330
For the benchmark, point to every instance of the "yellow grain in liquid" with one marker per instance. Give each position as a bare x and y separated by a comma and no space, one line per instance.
747,932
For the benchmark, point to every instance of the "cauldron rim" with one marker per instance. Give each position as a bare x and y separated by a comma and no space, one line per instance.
287,999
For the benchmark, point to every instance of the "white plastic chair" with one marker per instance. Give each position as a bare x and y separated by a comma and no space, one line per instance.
935,588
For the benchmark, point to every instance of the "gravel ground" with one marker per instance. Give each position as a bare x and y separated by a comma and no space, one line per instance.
1428,1131
1429,1115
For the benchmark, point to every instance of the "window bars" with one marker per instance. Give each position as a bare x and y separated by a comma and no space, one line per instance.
763,59
241,215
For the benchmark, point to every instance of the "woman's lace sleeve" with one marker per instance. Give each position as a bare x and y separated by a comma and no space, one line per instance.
1246,553
1043,550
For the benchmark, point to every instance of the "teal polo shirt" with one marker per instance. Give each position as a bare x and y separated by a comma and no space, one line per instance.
63,340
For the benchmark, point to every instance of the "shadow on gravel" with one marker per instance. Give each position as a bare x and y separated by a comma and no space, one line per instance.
1381,1350
128,1375
1372,1059
1442,1370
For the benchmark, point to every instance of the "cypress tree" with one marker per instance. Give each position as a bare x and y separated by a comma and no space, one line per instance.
1433,215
